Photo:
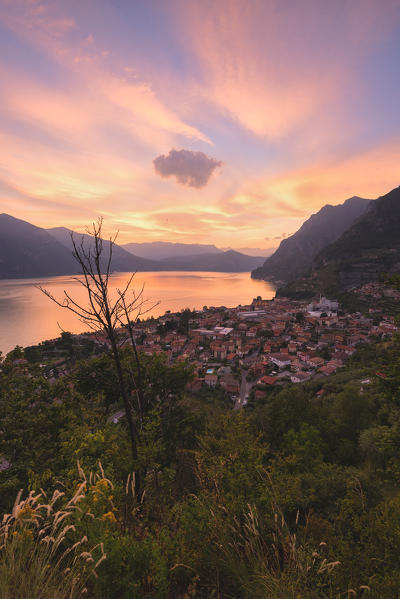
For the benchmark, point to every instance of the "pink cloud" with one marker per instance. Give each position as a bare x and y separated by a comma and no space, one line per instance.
259,65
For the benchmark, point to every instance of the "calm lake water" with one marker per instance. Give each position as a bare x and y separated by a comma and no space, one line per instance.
27,316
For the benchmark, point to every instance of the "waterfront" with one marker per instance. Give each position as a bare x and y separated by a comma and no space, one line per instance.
27,316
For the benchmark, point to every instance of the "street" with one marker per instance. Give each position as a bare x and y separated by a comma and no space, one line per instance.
245,389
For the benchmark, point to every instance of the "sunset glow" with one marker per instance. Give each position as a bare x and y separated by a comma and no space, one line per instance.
281,108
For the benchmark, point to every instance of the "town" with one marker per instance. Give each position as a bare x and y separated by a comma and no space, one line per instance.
245,351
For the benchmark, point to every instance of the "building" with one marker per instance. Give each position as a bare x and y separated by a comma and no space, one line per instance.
280,360
329,307
211,380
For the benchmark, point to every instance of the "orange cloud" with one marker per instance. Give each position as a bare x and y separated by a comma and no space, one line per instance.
369,174
269,204
96,94
86,144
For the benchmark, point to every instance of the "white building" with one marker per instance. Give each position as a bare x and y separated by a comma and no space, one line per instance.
330,307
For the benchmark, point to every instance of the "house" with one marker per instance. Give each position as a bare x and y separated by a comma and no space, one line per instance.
280,360
267,380
316,362
219,353
335,362
296,364
256,369
230,384
327,370
211,380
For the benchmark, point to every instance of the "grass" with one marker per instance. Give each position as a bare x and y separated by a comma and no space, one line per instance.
40,554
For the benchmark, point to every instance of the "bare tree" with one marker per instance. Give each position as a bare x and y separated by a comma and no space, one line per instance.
106,315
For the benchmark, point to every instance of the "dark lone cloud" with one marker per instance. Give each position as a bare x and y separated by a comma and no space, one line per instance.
190,168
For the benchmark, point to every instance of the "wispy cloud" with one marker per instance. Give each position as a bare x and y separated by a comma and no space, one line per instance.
90,94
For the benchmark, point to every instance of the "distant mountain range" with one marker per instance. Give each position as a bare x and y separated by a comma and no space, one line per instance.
27,251
161,250
335,249
260,253
122,260
295,255
229,261
363,253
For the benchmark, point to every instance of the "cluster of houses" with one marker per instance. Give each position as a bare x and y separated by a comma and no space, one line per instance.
271,342
377,291
267,343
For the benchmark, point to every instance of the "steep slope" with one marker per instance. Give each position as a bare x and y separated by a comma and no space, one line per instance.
369,248
296,253
161,250
121,260
29,251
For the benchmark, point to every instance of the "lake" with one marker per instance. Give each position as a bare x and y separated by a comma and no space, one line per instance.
27,316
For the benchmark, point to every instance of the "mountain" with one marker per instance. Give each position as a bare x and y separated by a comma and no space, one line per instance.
366,250
29,251
229,261
256,252
122,260
295,254
217,260
161,250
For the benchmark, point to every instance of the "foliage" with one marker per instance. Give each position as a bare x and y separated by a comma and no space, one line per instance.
295,497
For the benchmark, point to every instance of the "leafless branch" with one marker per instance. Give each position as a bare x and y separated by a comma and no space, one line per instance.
102,314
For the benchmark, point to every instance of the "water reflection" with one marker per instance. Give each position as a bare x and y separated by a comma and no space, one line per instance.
28,317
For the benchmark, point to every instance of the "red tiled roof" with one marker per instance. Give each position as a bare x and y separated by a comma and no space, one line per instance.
268,380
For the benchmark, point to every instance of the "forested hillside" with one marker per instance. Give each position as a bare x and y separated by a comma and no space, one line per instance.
363,254
294,497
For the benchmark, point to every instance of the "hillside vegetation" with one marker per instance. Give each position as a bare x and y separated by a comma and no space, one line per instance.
294,497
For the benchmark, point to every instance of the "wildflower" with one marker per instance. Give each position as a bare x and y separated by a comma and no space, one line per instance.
26,513
108,517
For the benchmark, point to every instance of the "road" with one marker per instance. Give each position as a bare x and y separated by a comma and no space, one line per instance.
245,389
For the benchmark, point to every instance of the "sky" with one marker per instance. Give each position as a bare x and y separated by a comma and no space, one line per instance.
210,121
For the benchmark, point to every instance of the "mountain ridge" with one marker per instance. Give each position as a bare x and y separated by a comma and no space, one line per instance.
161,250
28,251
296,253
121,259
364,252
